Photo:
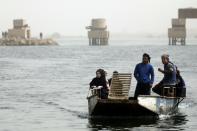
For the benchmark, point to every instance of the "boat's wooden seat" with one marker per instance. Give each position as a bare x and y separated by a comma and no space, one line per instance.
120,86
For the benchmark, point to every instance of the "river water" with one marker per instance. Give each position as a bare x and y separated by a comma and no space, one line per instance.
44,88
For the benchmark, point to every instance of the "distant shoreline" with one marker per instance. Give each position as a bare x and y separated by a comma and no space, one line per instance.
26,42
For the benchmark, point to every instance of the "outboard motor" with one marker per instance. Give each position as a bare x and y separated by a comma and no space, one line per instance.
180,92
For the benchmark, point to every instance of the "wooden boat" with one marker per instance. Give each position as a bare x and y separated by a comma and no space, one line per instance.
119,104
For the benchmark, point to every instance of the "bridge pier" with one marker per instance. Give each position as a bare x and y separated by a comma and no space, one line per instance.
98,33
177,33
174,41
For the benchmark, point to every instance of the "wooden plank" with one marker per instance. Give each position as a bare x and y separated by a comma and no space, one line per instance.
124,74
121,81
118,92
119,89
120,85
118,95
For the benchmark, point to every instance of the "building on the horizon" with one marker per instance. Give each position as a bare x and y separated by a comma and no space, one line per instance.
20,35
20,30
98,34
177,33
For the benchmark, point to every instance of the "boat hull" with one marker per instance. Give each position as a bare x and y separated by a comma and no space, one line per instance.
160,104
144,106
117,108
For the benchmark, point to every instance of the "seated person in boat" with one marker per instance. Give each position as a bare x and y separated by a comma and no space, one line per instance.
100,81
180,84
144,74
110,80
169,72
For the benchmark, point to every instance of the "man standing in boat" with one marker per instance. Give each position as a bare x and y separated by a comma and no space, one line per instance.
169,72
144,74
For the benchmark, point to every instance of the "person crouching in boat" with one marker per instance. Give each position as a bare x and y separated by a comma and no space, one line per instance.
169,72
100,81
180,84
144,74
110,80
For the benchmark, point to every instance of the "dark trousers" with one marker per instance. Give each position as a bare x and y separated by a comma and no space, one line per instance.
142,89
104,93
158,88
180,92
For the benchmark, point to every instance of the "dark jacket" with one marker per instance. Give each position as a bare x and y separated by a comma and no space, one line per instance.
98,82
180,82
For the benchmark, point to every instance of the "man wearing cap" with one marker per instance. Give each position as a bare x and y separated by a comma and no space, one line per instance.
144,74
169,74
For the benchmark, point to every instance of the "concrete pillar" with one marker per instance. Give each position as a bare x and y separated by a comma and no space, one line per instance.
90,41
170,42
28,34
41,35
175,41
183,41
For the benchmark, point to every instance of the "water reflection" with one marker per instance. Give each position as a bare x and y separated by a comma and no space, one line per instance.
119,123
175,122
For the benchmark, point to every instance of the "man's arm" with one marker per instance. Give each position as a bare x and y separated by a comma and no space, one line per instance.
152,75
136,75
168,70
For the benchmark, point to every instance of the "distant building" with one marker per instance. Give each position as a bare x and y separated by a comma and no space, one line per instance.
177,33
20,35
20,30
98,34
187,13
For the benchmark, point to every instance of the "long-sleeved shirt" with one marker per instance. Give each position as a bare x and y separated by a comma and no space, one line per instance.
169,74
144,73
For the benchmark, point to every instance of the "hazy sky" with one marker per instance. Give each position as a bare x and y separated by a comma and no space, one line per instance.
69,17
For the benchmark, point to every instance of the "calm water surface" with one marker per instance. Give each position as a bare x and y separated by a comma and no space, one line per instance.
44,88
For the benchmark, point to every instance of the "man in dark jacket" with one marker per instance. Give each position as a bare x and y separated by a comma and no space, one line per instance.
144,74
169,72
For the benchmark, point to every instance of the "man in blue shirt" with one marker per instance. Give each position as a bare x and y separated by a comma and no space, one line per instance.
144,74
